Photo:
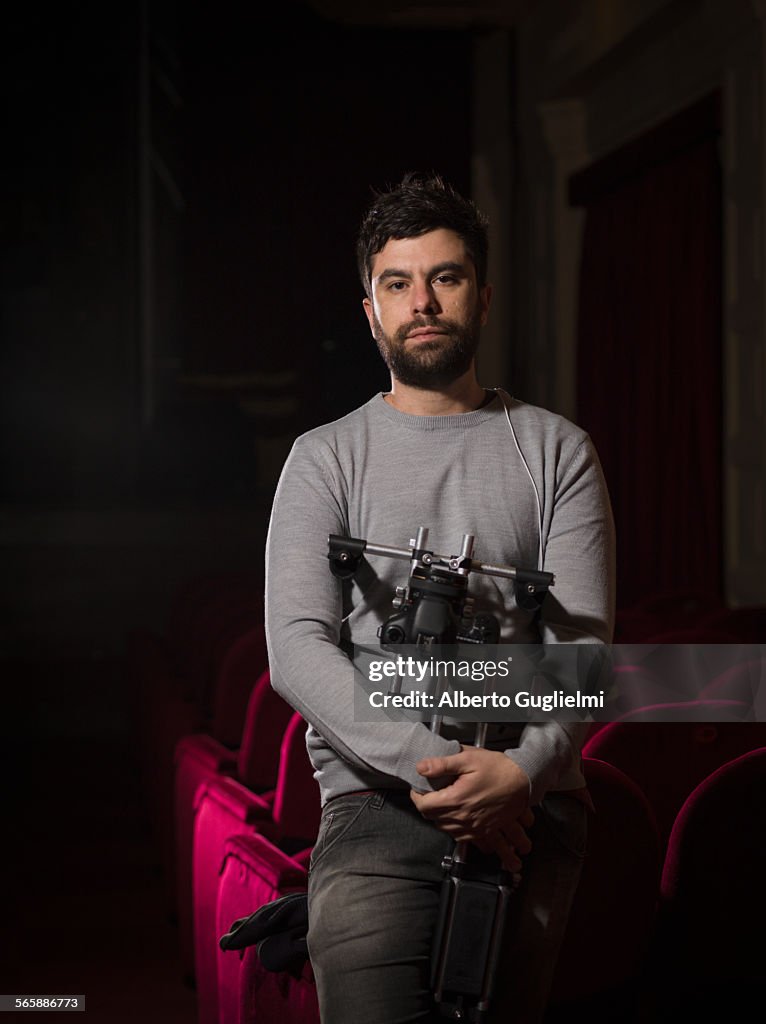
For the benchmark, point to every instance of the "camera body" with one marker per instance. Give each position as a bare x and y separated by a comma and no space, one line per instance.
435,609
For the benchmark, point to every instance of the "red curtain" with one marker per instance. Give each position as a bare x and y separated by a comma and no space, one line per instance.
649,368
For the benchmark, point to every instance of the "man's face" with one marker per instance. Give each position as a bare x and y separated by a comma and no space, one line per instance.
426,309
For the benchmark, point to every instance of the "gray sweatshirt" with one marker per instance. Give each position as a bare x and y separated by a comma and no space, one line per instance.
378,474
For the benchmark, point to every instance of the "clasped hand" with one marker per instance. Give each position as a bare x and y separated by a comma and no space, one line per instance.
486,802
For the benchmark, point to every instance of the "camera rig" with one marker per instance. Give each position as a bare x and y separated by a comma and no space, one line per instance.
434,608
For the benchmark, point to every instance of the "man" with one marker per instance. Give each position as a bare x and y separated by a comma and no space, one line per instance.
438,451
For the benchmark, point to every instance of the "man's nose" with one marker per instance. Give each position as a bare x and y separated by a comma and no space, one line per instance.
424,299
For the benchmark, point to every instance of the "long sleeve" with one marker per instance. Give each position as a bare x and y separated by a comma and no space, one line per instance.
304,618
580,551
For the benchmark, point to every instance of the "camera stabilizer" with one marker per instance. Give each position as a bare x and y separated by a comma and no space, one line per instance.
435,609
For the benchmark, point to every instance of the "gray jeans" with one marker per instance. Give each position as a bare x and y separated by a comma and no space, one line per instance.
374,891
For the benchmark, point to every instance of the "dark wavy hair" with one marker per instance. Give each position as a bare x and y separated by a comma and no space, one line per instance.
421,203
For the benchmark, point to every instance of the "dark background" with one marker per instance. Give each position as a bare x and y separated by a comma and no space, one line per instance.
182,187
268,131
160,349
179,289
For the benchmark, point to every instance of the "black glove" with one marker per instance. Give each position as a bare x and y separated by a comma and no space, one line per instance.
277,930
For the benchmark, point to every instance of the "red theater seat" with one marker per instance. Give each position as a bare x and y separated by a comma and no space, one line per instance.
242,659
668,759
201,758
254,872
740,682
224,808
634,686
612,917
177,680
710,948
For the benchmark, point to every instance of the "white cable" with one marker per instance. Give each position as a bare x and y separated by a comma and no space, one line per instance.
540,551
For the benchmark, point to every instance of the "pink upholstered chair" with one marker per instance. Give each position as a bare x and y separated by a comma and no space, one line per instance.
255,872
178,684
200,758
240,660
740,682
668,759
225,808
612,917
710,949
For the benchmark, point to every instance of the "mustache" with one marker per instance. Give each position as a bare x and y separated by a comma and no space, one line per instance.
448,326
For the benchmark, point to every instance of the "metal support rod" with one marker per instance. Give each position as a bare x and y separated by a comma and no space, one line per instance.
509,572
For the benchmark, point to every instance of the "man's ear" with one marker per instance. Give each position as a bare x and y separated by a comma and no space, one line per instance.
369,312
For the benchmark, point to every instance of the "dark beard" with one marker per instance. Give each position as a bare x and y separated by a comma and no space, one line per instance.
430,364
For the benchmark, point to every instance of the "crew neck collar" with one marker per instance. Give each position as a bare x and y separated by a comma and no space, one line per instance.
450,421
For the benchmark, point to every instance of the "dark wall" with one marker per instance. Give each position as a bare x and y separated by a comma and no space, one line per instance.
119,478
289,124
67,361
271,127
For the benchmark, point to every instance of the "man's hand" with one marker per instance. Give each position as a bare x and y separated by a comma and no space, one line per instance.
486,803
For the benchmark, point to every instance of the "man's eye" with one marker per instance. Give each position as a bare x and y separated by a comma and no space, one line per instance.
397,286
446,279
